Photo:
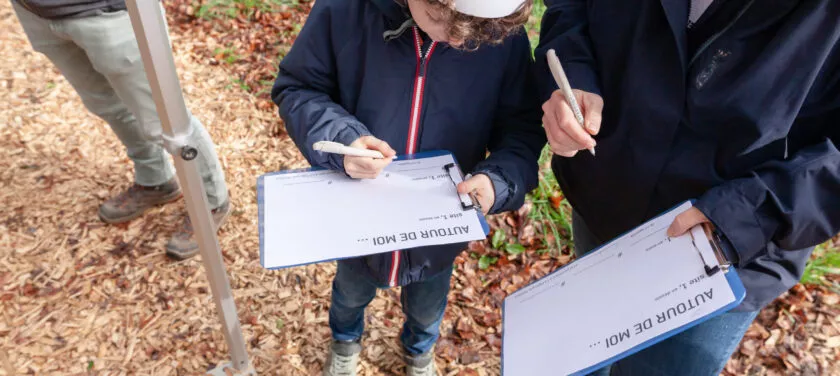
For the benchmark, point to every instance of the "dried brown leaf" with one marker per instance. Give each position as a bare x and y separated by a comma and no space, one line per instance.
468,372
469,357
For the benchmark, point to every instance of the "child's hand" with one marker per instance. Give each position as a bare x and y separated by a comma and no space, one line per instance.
482,188
364,167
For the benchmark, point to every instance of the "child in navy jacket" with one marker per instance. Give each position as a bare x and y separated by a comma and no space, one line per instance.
405,77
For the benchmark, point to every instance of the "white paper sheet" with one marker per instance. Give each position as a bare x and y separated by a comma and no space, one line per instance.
316,216
635,288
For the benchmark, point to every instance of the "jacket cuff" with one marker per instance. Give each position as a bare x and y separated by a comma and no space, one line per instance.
350,133
734,217
728,250
502,189
581,76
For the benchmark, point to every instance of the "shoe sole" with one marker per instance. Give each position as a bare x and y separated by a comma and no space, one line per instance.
182,257
163,200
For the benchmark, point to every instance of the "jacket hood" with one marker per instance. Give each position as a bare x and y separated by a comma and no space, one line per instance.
397,18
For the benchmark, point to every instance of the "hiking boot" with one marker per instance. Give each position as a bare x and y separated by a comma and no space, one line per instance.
421,365
343,359
134,201
183,244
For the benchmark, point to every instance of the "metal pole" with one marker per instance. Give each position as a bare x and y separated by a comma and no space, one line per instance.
155,48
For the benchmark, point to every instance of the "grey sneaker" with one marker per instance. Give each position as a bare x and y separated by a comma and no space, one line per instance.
134,201
421,365
343,359
183,244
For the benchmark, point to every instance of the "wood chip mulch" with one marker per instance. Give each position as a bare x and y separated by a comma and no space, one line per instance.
81,297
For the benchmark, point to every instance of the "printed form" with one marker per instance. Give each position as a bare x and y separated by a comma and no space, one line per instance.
316,216
635,288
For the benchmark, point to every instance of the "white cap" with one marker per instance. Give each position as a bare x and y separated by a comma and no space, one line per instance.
488,8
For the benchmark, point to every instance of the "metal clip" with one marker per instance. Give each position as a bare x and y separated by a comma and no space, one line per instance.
710,270
468,201
178,144
714,242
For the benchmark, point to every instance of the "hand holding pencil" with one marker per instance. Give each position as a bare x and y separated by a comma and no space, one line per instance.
364,158
571,117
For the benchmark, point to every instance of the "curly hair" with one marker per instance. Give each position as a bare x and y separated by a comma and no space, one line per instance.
475,31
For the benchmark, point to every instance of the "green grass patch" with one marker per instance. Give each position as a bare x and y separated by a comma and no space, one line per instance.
553,213
213,9
500,241
485,261
265,87
550,209
238,83
825,261
227,54
533,24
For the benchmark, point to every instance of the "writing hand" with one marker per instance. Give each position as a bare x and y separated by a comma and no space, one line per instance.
565,135
365,167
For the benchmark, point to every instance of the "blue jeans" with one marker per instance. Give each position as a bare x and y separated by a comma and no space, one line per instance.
700,351
422,302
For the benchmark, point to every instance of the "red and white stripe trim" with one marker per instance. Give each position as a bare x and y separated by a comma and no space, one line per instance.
414,124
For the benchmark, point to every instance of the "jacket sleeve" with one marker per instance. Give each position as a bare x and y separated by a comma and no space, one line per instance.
793,203
517,137
306,90
564,29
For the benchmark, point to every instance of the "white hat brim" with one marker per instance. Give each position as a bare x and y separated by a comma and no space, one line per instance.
488,8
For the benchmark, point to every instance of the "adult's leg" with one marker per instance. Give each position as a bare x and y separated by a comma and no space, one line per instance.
110,43
150,163
585,241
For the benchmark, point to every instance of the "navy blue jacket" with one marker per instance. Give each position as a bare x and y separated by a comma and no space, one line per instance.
744,117
354,71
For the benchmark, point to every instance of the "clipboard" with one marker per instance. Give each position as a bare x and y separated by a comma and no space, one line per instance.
464,206
715,266
734,283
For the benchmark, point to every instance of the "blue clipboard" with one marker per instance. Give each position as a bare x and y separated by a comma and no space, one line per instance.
261,204
731,277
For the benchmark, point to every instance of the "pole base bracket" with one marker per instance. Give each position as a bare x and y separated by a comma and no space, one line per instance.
226,369
178,144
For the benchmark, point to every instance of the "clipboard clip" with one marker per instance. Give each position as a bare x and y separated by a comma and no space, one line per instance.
717,248
714,242
468,201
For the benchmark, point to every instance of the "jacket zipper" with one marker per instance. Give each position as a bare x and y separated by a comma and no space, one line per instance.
419,85
717,35
414,124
